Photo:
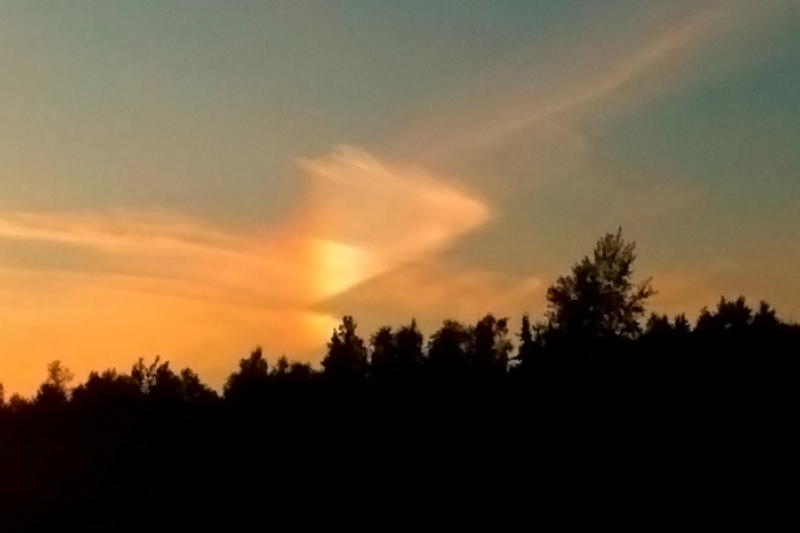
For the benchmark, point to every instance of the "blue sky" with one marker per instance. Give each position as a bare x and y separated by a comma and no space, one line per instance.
254,170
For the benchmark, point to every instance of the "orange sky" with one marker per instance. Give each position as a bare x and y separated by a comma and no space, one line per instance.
156,284
232,177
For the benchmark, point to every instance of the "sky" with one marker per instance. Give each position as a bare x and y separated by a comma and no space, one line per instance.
195,178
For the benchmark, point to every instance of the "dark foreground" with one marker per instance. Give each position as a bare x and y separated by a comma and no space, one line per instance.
556,432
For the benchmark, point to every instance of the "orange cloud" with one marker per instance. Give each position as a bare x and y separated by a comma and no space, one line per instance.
370,217
158,283
426,289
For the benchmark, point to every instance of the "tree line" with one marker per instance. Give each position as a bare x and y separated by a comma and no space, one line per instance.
592,362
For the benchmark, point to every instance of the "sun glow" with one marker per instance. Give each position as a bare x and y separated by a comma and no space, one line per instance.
339,267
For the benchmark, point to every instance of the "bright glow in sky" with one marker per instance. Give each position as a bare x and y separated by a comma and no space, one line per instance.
191,179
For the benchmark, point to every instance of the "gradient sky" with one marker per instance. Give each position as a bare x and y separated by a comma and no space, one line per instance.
193,178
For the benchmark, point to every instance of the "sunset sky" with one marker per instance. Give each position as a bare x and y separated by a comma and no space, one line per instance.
195,178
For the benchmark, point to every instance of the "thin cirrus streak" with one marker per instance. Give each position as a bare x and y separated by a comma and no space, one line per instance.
361,218
638,71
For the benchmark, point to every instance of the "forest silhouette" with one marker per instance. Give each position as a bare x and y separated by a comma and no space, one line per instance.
595,383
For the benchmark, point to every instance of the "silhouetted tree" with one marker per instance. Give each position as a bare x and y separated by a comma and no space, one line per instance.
396,354
491,345
300,372
765,320
193,389
662,337
346,360
54,390
450,349
251,381
599,299
2,396
167,386
145,376
107,389
658,326
290,386
290,372
409,343
280,368
17,403
681,326
528,347
730,316
383,353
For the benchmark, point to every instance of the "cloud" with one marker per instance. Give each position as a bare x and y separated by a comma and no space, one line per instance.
162,282
630,74
360,217
428,288
370,217
171,250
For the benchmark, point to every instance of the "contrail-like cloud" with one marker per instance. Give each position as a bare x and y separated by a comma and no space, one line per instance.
658,58
615,81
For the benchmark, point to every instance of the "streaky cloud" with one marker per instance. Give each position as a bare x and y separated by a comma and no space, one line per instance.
637,72
166,277
373,216
426,287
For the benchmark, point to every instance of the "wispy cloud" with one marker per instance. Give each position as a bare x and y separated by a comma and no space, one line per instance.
649,66
168,277
546,117
425,288
370,217
360,217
